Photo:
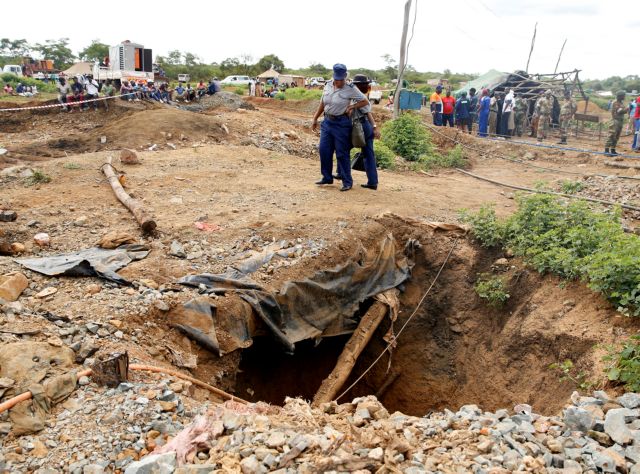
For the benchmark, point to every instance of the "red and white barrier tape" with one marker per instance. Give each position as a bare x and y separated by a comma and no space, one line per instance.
68,104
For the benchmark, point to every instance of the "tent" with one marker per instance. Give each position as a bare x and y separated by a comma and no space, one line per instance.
490,80
79,69
291,79
269,74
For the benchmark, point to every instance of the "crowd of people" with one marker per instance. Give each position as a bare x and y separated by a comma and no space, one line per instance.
21,89
507,114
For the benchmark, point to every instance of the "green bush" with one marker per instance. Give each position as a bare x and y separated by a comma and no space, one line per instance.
385,158
38,177
12,79
485,226
300,93
571,187
281,96
625,365
453,159
571,240
408,137
492,289
239,90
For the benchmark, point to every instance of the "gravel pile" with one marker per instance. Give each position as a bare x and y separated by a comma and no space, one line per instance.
229,100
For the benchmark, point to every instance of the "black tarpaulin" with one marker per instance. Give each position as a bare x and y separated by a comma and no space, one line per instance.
95,261
320,306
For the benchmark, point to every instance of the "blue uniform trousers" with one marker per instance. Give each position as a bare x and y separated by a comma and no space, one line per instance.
636,138
483,123
335,136
369,155
437,119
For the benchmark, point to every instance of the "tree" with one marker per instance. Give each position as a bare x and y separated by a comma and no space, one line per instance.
270,61
246,61
391,69
57,50
95,52
14,48
191,59
230,66
174,57
317,69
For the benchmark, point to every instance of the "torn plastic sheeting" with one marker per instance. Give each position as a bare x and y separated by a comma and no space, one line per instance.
195,319
94,261
320,306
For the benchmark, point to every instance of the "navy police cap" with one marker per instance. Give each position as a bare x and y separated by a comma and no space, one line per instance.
339,72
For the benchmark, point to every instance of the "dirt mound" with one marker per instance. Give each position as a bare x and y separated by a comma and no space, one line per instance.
227,100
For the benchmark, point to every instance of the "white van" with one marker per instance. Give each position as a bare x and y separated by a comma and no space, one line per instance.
13,69
235,80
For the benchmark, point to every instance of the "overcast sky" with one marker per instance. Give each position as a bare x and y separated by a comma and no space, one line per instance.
461,35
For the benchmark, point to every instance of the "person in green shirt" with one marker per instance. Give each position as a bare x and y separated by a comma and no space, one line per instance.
108,91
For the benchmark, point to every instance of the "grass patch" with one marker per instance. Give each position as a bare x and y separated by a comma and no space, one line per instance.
239,90
570,240
38,177
492,289
571,187
453,159
300,93
71,166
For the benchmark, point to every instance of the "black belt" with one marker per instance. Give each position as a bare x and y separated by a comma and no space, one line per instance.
334,117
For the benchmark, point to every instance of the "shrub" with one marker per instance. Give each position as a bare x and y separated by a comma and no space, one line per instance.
239,90
453,159
485,226
38,177
408,137
571,240
625,365
281,96
492,289
385,158
71,166
571,187
299,93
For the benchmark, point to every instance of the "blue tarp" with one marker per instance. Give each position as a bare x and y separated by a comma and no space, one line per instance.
410,100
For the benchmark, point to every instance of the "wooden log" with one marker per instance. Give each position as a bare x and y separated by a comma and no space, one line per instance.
628,166
136,208
393,376
352,350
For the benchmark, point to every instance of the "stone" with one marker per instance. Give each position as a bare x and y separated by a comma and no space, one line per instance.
81,221
84,380
42,239
629,400
177,250
93,289
377,454
615,426
48,291
633,454
276,439
168,406
196,469
249,465
578,419
161,306
571,467
39,449
12,285
149,283
129,157
17,247
93,469
153,464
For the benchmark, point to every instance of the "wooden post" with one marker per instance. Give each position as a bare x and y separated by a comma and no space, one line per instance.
146,221
352,350
560,55
403,57
533,42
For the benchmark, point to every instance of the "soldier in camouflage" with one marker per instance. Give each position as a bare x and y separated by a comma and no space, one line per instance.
521,113
542,112
618,112
567,111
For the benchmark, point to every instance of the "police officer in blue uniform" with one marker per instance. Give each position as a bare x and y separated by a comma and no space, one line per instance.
365,116
339,100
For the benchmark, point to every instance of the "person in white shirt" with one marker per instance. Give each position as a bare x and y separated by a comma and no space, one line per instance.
63,91
92,88
507,123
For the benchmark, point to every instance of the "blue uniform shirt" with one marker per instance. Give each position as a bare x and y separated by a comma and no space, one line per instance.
336,101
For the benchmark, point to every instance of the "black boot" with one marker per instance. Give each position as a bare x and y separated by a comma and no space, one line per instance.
563,141
606,152
614,152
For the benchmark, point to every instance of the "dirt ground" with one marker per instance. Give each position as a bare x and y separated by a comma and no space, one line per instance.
251,173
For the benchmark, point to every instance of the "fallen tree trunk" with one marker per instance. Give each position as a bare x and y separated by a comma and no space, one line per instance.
615,164
146,221
352,350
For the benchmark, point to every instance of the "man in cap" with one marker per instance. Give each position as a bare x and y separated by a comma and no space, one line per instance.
436,106
542,112
339,100
567,111
618,112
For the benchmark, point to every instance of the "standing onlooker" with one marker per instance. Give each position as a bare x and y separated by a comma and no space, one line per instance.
448,106
636,121
483,113
507,108
493,114
371,132
473,108
500,105
259,89
108,91
462,112
542,112
618,112
252,87
435,103
63,91
520,112
567,111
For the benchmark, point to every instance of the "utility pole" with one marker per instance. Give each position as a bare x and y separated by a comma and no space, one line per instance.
533,42
559,56
403,56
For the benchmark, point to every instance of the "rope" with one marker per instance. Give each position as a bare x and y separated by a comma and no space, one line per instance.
396,336
539,191
513,160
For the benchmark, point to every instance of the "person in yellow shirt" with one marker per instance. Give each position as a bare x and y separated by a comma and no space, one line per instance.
436,106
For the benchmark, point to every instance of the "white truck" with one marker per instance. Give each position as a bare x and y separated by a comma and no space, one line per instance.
127,62
13,69
375,96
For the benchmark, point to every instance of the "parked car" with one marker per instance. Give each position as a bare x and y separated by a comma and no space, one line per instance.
235,81
184,77
375,96
13,69
316,81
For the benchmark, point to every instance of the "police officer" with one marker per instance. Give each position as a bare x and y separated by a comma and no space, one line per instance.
365,116
339,100
618,112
